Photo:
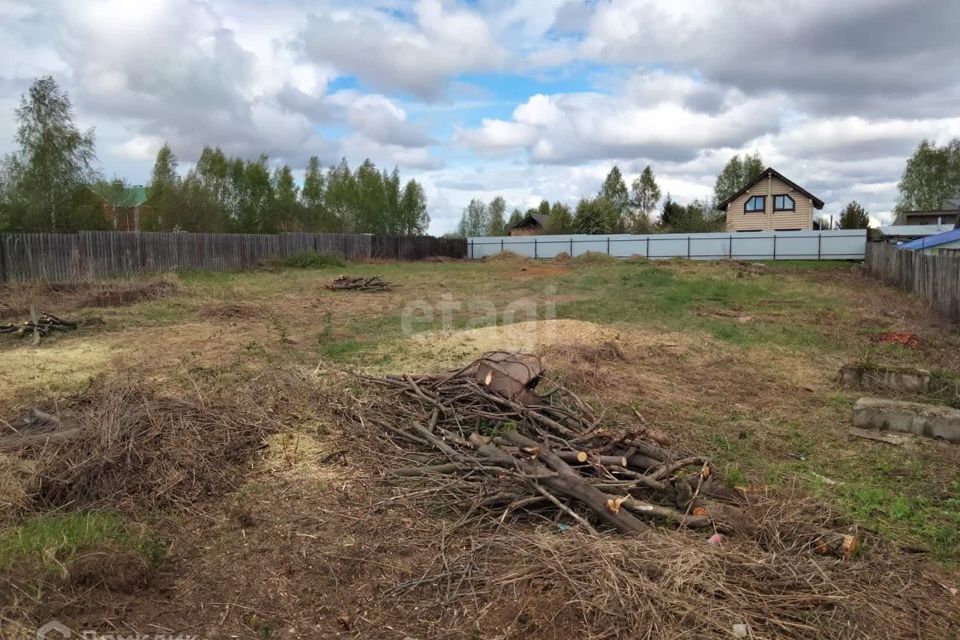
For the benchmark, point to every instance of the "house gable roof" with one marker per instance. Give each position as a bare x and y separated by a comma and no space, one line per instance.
533,217
933,241
128,197
771,172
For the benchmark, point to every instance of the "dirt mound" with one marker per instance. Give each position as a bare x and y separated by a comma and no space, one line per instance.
508,256
16,299
561,258
592,258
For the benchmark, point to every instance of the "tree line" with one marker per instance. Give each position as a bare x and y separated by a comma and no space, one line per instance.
50,183
617,209
932,176
45,185
232,194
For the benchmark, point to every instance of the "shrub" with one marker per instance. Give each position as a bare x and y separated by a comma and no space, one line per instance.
313,260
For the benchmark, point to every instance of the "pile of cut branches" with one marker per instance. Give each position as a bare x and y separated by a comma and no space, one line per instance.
38,327
361,283
485,436
484,432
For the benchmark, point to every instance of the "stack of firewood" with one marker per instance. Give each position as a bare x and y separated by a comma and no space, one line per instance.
38,327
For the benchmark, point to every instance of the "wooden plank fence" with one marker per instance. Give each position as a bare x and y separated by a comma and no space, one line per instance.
417,247
933,279
104,254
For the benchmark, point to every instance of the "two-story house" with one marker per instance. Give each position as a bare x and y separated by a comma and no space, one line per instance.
771,202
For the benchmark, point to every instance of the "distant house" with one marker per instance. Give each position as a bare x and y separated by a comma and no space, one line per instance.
770,202
947,242
125,207
947,215
531,225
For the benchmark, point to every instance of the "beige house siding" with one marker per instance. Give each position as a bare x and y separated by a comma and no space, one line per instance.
770,186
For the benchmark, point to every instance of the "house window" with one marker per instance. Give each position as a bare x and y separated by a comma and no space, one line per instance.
784,203
756,204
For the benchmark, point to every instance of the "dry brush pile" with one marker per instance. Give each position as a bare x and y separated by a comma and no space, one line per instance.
610,522
129,447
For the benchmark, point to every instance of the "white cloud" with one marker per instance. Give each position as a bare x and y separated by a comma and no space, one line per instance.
836,96
649,117
418,56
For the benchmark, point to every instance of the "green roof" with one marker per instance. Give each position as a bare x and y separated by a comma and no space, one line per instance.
126,197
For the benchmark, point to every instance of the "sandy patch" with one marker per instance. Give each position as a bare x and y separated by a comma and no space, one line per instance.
296,455
57,366
440,350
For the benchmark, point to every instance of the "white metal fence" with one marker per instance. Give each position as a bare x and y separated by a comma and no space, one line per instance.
775,245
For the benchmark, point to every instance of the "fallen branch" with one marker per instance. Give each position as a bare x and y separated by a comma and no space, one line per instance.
370,283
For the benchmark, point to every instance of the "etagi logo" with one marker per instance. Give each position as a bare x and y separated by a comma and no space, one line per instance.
56,630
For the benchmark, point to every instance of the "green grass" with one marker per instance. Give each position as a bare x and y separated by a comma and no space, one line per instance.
803,312
313,260
52,540
710,301
910,515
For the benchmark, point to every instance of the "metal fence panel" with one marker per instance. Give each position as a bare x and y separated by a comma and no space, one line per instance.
776,245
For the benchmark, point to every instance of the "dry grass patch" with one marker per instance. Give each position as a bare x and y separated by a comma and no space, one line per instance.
16,299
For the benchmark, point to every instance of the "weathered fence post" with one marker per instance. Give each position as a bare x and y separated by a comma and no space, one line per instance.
3,258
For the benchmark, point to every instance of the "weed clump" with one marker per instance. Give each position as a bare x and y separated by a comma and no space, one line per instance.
313,260
592,258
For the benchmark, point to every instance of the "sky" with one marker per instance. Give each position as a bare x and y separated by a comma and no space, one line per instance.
528,99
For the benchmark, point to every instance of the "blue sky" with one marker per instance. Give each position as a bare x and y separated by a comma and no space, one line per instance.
525,99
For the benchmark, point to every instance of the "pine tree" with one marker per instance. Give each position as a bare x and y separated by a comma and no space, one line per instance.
854,216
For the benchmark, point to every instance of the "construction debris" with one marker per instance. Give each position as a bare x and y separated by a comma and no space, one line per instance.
370,283
38,327
492,443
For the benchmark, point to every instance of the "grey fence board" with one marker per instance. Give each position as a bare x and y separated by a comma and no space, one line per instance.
777,245
417,247
933,279
103,254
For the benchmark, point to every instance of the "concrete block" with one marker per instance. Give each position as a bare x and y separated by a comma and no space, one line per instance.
908,417
860,376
